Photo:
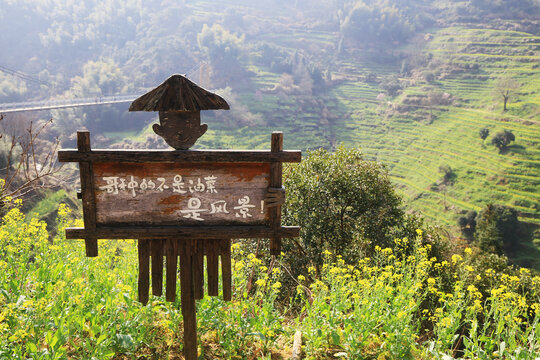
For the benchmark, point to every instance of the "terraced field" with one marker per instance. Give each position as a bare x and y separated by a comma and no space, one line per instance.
415,143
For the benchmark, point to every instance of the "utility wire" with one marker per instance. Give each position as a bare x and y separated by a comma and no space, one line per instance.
22,75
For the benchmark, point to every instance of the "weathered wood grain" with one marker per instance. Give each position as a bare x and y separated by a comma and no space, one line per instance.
276,171
172,261
144,270
188,300
226,272
198,269
194,232
177,156
87,190
212,259
157,266
178,93
173,194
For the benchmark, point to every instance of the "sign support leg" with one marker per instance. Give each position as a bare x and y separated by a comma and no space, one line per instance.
226,275
157,266
144,269
276,171
188,300
212,259
170,285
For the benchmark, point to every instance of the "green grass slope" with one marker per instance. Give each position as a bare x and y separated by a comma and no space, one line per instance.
413,139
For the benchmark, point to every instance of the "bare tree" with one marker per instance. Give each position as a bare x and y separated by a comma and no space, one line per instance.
26,158
506,87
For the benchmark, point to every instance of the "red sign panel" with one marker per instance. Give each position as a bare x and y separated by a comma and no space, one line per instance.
180,193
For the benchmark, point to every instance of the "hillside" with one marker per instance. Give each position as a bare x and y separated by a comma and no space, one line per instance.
413,138
411,83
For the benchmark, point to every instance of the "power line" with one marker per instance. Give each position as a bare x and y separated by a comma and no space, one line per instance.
65,103
22,75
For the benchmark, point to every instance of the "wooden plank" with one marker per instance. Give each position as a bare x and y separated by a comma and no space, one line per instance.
196,232
188,300
226,273
198,270
297,346
144,270
212,268
276,171
178,156
87,190
172,260
178,93
181,194
157,266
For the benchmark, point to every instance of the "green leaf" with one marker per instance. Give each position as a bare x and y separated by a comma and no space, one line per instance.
31,347
124,341
54,340
258,334
109,355
101,338
335,338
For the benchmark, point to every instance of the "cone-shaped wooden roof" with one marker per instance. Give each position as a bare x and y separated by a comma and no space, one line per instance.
178,93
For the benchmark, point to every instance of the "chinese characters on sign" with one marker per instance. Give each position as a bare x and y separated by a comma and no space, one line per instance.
115,183
186,194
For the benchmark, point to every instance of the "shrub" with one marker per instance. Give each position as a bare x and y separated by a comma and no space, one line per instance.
467,223
449,176
502,139
497,229
342,203
484,133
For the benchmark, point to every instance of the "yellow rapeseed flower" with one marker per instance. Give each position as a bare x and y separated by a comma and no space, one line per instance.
456,258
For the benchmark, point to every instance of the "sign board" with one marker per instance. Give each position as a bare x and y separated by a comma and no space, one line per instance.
158,194
181,193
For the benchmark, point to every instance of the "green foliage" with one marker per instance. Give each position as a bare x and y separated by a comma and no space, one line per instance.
467,223
224,49
99,78
55,303
449,175
484,133
391,85
12,89
502,139
505,87
376,21
497,229
342,203
523,8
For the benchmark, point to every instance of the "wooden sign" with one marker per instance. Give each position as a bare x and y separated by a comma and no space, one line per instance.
181,193
178,193
182,206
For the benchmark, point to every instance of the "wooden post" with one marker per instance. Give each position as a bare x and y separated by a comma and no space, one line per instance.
172,259
144,257
226,275
198,270
212,259
188,300
88,196
157,266
276,170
